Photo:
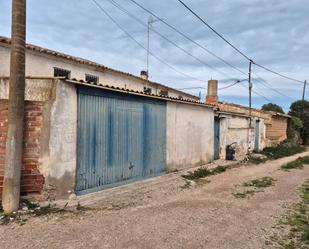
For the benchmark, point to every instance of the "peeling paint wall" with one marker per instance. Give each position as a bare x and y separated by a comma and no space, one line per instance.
38,94
236,130
61,158
190,136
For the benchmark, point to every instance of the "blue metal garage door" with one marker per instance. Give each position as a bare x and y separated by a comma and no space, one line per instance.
121,138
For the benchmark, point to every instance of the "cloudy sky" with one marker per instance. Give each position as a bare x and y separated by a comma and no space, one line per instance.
274,33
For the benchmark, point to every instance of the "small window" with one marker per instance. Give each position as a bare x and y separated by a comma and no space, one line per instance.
91,78
163,92
147,90
60,72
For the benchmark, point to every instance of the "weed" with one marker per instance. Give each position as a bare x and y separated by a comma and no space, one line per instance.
201,181
244,194
186,185
254,186
263,182
256,160
203,172
296,223
296,164
283,150
33,209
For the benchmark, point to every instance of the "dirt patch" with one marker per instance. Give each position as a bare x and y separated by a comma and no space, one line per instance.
158,213
249,188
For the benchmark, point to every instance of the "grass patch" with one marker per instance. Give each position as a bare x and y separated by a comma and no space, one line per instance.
263,182
203,172
296,164
186,185
283,150
201,181
295,225
244,194
254,186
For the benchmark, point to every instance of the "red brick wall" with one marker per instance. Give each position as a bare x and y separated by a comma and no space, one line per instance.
31,180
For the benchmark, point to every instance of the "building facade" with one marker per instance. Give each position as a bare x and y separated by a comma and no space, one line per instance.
83,136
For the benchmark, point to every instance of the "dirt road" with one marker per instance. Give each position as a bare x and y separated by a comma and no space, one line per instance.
159,213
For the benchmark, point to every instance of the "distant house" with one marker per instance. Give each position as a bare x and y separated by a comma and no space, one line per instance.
235,126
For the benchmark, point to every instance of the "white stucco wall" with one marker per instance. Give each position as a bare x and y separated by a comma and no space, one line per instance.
60,161
235,129
40,64
190,137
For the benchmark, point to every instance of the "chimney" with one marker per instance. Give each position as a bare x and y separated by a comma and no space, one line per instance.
144,75
212,92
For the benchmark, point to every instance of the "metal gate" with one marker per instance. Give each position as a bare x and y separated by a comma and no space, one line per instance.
121,138
216,138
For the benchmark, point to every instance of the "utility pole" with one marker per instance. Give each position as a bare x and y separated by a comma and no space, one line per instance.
250,89
14,144
150,22
304,91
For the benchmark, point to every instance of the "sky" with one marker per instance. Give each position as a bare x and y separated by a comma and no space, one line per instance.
273,33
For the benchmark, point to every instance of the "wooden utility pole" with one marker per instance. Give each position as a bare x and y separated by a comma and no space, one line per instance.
14,144
250,89
304,91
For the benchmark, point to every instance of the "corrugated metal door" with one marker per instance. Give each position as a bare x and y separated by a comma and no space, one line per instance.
216,138
121,138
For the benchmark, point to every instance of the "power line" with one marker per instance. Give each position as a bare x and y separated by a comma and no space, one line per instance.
187,37
268,85
257,93
164,37
233,84
138,43
217,33
279,74
234,47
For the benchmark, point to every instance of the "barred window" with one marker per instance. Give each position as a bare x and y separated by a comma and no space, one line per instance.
60,72
91,78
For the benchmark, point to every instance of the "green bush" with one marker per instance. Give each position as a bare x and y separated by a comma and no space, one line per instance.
283,150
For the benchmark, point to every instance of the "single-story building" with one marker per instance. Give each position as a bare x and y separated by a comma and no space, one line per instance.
234,126
84,134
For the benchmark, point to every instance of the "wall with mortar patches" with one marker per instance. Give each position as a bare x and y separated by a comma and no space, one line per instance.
236,130
37,95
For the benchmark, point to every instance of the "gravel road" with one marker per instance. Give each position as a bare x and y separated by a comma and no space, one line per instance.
159,213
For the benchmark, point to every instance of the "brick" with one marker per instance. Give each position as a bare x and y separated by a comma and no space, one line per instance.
32,179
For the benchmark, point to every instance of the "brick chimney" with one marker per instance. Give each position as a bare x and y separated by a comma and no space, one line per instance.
212,92
144,75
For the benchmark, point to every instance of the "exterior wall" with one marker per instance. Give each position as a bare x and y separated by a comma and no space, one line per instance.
49,162
32,180
190,136
277,130
60,158
41,65
274,127
234,129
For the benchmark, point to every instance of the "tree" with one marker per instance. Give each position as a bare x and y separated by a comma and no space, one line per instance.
300,109
14,144
272,107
